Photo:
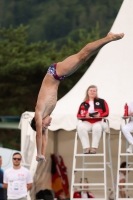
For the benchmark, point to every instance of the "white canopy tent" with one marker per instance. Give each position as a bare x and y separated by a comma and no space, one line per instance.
111,71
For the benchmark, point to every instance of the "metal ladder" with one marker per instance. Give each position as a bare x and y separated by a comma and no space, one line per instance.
97,186
121,155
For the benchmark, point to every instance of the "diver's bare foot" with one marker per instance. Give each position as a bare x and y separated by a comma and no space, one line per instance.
113,36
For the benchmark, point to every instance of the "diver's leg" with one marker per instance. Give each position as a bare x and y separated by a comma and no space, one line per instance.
72,63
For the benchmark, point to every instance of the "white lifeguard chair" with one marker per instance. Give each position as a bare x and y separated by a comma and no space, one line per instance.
120,156
86,167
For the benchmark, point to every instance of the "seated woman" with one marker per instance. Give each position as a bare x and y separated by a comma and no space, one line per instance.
128,128
91,112
84,193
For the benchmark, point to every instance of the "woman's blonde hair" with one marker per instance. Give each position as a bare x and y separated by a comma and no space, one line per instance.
87,96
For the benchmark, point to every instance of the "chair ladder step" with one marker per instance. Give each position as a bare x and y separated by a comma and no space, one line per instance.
88,184
126,154
96,163
126,184
90,155
87,199
89,169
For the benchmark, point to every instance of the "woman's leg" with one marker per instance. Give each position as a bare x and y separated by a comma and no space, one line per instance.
82,129
126,132
96,133
72,63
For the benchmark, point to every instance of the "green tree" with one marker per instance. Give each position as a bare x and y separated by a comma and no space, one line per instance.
51,20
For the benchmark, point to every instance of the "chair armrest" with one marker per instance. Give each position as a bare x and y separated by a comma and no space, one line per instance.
126,120
107,121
